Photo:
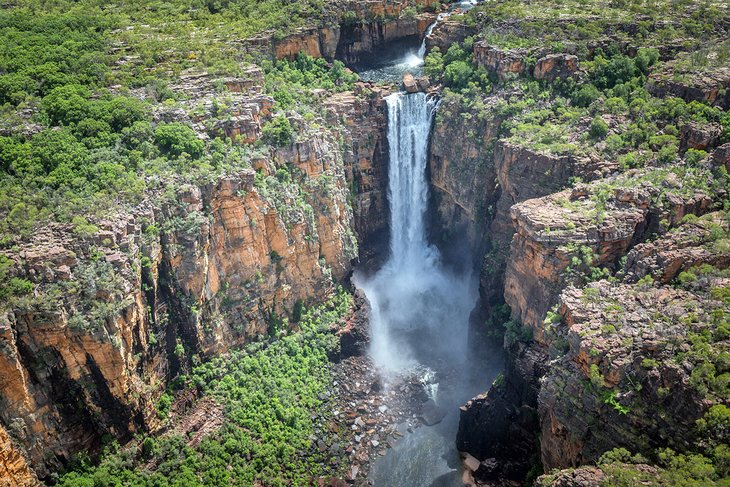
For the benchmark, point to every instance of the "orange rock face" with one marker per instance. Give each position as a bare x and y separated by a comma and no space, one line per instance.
205,268
14,470
502,63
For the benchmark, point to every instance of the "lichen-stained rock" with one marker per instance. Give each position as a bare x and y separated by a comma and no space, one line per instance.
721,156
68,351
312,42
692,136
551,230
604,474
500,62
628,372
683,248
448,32
349,31
711,87
556,66
237,111
580,477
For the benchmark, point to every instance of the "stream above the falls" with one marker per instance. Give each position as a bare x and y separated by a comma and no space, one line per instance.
401,57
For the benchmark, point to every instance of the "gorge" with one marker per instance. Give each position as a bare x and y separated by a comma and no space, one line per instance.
239,247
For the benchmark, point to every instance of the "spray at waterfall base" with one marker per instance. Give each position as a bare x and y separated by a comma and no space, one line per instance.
419,309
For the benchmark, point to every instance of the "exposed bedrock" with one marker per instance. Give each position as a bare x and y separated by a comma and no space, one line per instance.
551,234
354,34
188,273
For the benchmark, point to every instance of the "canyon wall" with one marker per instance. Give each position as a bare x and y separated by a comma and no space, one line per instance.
540,245
197,268
352,32
557,340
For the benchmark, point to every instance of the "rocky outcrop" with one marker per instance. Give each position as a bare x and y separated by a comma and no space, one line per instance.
553,230
631,345
14,470
688,246
522,174
500,62
581,477
237,113
721,156
559,239
447,33
556,66
354,335
711,87
699,137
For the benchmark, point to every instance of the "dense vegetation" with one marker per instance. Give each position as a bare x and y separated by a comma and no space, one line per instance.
269,393
75,137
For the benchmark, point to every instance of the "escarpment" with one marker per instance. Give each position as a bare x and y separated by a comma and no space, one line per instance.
577,166
352,32
191,272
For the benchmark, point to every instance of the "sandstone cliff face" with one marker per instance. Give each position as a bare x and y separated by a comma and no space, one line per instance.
463,174
552,233
711,88
503,63
360,29
362,114
14,470
633,343
448,32
359,43
194,270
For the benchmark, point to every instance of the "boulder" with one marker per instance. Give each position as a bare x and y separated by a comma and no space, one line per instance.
471,463
722,156
430,413
423,83
700,137
409,83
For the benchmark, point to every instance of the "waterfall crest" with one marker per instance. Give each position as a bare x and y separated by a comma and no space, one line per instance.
420,310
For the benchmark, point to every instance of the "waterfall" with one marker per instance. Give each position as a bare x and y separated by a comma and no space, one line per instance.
422,49
409,124
419,310
429,30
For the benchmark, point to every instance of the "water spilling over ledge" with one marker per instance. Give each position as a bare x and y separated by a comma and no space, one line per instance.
420,310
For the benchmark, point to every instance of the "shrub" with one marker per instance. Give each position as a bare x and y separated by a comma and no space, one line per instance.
585,95
693,156
458,74
278,131
177,139
598,128
433,65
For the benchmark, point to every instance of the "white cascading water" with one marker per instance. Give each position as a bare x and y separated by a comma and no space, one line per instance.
419,309
429,30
